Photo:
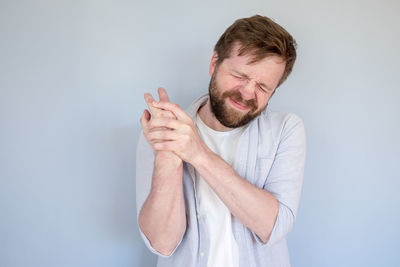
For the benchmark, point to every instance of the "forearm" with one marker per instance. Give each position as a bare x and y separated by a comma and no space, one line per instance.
256,208
162,217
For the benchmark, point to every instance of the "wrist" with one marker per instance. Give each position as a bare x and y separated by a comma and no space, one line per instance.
168,156
201,158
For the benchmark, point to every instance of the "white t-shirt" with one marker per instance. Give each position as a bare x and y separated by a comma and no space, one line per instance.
224,250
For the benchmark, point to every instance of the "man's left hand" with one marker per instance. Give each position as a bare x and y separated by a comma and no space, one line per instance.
177,135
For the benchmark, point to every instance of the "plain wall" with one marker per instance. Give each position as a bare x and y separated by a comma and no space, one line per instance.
72,79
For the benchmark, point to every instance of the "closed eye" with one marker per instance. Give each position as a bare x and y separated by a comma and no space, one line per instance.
264,89
238,77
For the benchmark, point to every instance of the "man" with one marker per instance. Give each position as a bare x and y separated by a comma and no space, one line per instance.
219,185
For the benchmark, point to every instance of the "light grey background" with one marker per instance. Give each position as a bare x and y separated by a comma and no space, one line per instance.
72,78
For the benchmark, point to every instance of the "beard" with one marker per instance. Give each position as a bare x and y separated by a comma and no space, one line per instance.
228,116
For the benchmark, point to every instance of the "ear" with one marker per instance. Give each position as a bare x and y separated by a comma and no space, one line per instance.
213,62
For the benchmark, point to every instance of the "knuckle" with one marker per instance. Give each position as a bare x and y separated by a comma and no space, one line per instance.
170,115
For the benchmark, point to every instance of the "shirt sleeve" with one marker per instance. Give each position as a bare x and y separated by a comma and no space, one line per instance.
144,173
285,178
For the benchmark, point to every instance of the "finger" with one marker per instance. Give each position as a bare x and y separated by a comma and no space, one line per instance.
165,114
149,100
157,112
164,123
144,120
163,94
164,97
163,135
174,108
145,117
165,146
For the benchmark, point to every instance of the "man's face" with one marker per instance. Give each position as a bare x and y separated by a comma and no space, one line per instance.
239,92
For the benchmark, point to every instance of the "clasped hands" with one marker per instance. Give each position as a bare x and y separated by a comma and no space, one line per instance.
168,129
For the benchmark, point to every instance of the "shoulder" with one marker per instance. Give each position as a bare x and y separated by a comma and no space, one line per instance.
276,126
280,117
279,120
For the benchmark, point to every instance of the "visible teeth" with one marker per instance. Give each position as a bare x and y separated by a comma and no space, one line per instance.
240,103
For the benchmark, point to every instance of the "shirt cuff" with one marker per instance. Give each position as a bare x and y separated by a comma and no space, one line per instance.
283,224
149,246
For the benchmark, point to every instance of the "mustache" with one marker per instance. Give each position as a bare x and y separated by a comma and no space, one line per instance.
235,95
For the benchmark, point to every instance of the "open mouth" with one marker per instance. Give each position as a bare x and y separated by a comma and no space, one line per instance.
238,105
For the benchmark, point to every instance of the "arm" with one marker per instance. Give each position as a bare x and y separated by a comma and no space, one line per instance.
282,175
162,217
257,208
254,207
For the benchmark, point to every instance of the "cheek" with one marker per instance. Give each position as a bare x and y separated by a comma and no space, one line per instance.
227,83
262,100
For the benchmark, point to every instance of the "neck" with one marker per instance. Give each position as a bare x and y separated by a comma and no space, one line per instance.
207,116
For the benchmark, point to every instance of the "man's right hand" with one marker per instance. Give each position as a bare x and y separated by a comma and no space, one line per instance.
157,113
162,217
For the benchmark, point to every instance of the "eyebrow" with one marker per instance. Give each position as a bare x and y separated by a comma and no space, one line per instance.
247,77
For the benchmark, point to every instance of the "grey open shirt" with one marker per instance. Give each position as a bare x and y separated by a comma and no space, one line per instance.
271,155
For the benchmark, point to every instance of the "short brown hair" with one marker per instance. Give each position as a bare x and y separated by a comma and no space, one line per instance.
260,37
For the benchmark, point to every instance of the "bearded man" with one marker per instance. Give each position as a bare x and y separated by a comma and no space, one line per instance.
219,184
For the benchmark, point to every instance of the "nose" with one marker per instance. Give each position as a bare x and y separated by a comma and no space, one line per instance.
248,90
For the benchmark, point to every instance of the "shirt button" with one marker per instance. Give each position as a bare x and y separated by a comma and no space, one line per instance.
202,253
198,216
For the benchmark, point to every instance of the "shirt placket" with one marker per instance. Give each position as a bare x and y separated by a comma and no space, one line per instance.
203,246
